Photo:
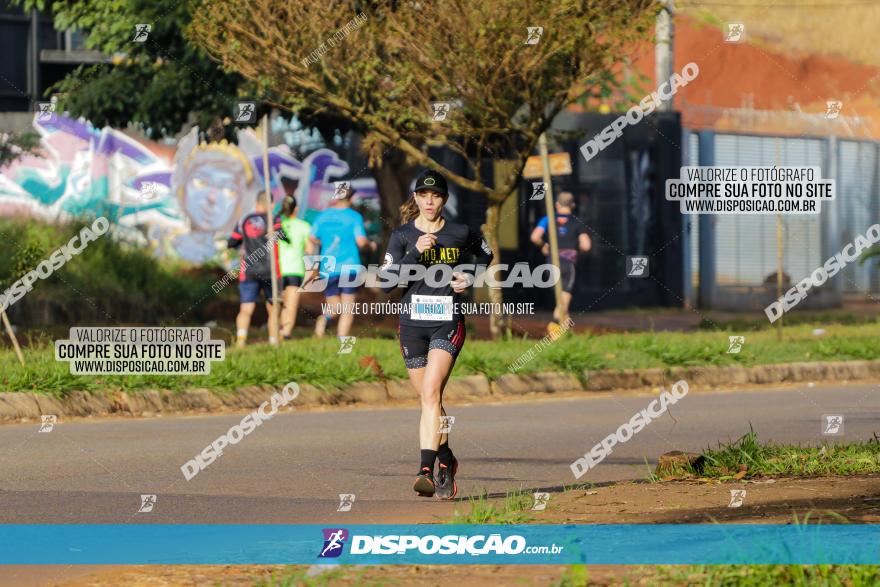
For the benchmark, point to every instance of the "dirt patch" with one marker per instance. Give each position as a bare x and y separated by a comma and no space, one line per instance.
190,575
853,499
767,501
422,575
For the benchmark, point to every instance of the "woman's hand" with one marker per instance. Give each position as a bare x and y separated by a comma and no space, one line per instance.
461,281
425,242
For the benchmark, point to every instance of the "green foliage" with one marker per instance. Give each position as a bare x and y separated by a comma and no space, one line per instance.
24,259
569,355
382,74
770,460
869,253
300,578
106,272
107,279
745,451
771,575
671,351
510,511
574,576
13,146
666,575
792,319
156,84
841,349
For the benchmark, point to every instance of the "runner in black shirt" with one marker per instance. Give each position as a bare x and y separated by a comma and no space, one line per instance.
255,273
431,332
572,240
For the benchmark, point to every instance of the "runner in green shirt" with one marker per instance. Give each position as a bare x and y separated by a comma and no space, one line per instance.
290,257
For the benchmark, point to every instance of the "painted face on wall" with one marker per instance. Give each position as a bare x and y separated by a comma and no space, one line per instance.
211,195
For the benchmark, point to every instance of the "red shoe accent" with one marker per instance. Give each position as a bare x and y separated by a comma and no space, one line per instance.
454,473
454,483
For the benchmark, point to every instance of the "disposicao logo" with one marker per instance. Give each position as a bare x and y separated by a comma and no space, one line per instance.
334,540
408,544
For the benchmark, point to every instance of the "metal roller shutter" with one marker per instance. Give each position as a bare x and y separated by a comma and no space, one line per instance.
746,244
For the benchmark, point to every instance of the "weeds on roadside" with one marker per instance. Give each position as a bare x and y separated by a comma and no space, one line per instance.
510,511
579,486
770,575
652,473
746,457
574,576
297,576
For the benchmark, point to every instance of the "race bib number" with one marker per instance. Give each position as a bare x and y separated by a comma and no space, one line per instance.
431,308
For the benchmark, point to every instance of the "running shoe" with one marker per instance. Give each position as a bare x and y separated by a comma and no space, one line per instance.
424,484
447,488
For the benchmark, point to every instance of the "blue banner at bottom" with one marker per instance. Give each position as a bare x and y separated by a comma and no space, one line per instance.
145,544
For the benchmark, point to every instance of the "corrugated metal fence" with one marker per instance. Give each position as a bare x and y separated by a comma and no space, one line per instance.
742,249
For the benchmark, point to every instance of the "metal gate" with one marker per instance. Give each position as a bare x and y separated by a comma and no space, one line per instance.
739,252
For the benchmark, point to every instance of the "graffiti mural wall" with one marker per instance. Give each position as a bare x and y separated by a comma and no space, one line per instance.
181,201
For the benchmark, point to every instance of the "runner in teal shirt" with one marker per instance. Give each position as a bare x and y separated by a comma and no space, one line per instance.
338,232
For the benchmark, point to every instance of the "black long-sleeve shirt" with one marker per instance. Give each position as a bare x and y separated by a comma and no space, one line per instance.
453,242
251,232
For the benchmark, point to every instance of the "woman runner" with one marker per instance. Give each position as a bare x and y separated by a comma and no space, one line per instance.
431,331
290,261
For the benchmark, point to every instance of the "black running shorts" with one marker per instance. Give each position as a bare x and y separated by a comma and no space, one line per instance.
566,268
416,341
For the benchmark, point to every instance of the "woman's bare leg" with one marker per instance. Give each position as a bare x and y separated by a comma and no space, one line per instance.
288,313
431,393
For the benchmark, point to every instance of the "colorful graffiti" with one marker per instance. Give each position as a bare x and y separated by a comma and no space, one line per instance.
180,201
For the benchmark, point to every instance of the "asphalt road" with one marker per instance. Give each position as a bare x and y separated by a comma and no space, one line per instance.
293,467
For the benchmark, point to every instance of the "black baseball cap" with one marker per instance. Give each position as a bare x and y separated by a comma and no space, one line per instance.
431,180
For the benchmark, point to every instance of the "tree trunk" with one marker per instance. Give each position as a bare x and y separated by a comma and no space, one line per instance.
393,176
499,324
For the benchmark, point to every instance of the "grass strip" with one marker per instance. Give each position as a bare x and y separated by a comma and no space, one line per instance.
748,458
318,363
510,511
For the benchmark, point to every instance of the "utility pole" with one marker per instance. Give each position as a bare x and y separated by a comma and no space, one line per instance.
33,59
270,222
11,333
551,220
663,49
780,252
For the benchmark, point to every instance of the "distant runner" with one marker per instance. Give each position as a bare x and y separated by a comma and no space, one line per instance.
572,239
338,232
432,335
290,257
255,271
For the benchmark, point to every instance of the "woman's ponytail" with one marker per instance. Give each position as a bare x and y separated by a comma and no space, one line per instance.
288,205
409,211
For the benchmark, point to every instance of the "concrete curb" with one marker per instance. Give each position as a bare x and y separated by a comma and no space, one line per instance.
28,406
733,375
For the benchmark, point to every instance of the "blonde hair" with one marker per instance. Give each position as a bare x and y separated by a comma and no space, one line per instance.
409,211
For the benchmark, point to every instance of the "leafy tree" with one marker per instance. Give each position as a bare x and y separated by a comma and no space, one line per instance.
380,64
13,146
869,254
162,84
